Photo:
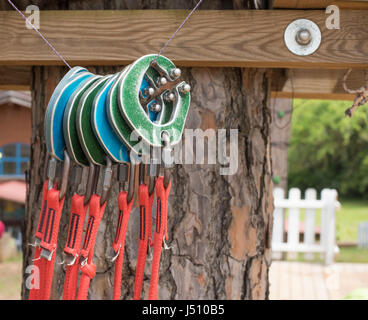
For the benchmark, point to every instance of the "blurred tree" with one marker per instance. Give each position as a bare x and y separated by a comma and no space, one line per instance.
327,148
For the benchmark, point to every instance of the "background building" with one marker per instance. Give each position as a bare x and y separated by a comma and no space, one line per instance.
15,135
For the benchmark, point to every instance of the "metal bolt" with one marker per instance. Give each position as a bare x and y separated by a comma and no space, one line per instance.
185,88
149,91
170,97
163,81
303,37
175,73
155,107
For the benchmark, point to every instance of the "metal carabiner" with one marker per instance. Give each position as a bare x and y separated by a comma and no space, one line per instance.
166,154
65,175
105,183
90,183
126,173
150,170
53,173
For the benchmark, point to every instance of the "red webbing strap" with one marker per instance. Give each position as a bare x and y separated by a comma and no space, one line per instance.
88,268
34,293
49,240
145,216
73,245
119,241
162,196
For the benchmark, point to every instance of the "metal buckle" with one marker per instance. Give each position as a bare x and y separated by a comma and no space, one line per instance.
83,262
116,256
165,245
70,260
46,254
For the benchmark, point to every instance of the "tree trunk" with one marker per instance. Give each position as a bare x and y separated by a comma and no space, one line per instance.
220,226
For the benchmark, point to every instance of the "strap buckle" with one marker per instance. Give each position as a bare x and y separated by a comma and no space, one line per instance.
70,260
47,254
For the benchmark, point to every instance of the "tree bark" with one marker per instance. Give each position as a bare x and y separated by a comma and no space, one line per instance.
220,226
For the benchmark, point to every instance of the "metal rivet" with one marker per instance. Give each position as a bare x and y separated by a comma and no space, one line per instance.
175,73
163,81
185,88
170,97
149,91
155,107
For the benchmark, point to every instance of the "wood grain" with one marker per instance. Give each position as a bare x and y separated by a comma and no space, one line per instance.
316,84
320,4
212,38
15,78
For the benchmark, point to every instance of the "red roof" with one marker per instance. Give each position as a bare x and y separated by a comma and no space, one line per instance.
13,190
317,229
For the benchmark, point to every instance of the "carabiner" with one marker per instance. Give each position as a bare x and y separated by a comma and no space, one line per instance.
126,173
65,175
106,181
166,154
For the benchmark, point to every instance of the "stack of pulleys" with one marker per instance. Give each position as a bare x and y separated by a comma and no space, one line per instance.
124,119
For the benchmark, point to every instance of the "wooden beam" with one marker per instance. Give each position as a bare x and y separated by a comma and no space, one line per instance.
312,96
15,78
229,38
320,4
316,84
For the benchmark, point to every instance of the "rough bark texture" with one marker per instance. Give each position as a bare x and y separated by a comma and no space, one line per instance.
220,226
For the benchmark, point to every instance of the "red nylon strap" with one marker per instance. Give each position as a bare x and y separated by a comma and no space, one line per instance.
87,267
73,245
119,241
34,293
145,216
162,196
49,240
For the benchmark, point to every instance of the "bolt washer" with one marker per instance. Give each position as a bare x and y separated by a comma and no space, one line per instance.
291,33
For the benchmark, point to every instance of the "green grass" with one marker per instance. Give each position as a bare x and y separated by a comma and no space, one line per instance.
17,258
348,218
352,254
352,212
10,280
346,254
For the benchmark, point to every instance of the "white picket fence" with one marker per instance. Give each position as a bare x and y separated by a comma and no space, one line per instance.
310,245
363,235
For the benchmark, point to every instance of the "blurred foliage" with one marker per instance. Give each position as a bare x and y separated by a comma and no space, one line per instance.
328,149
358,294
